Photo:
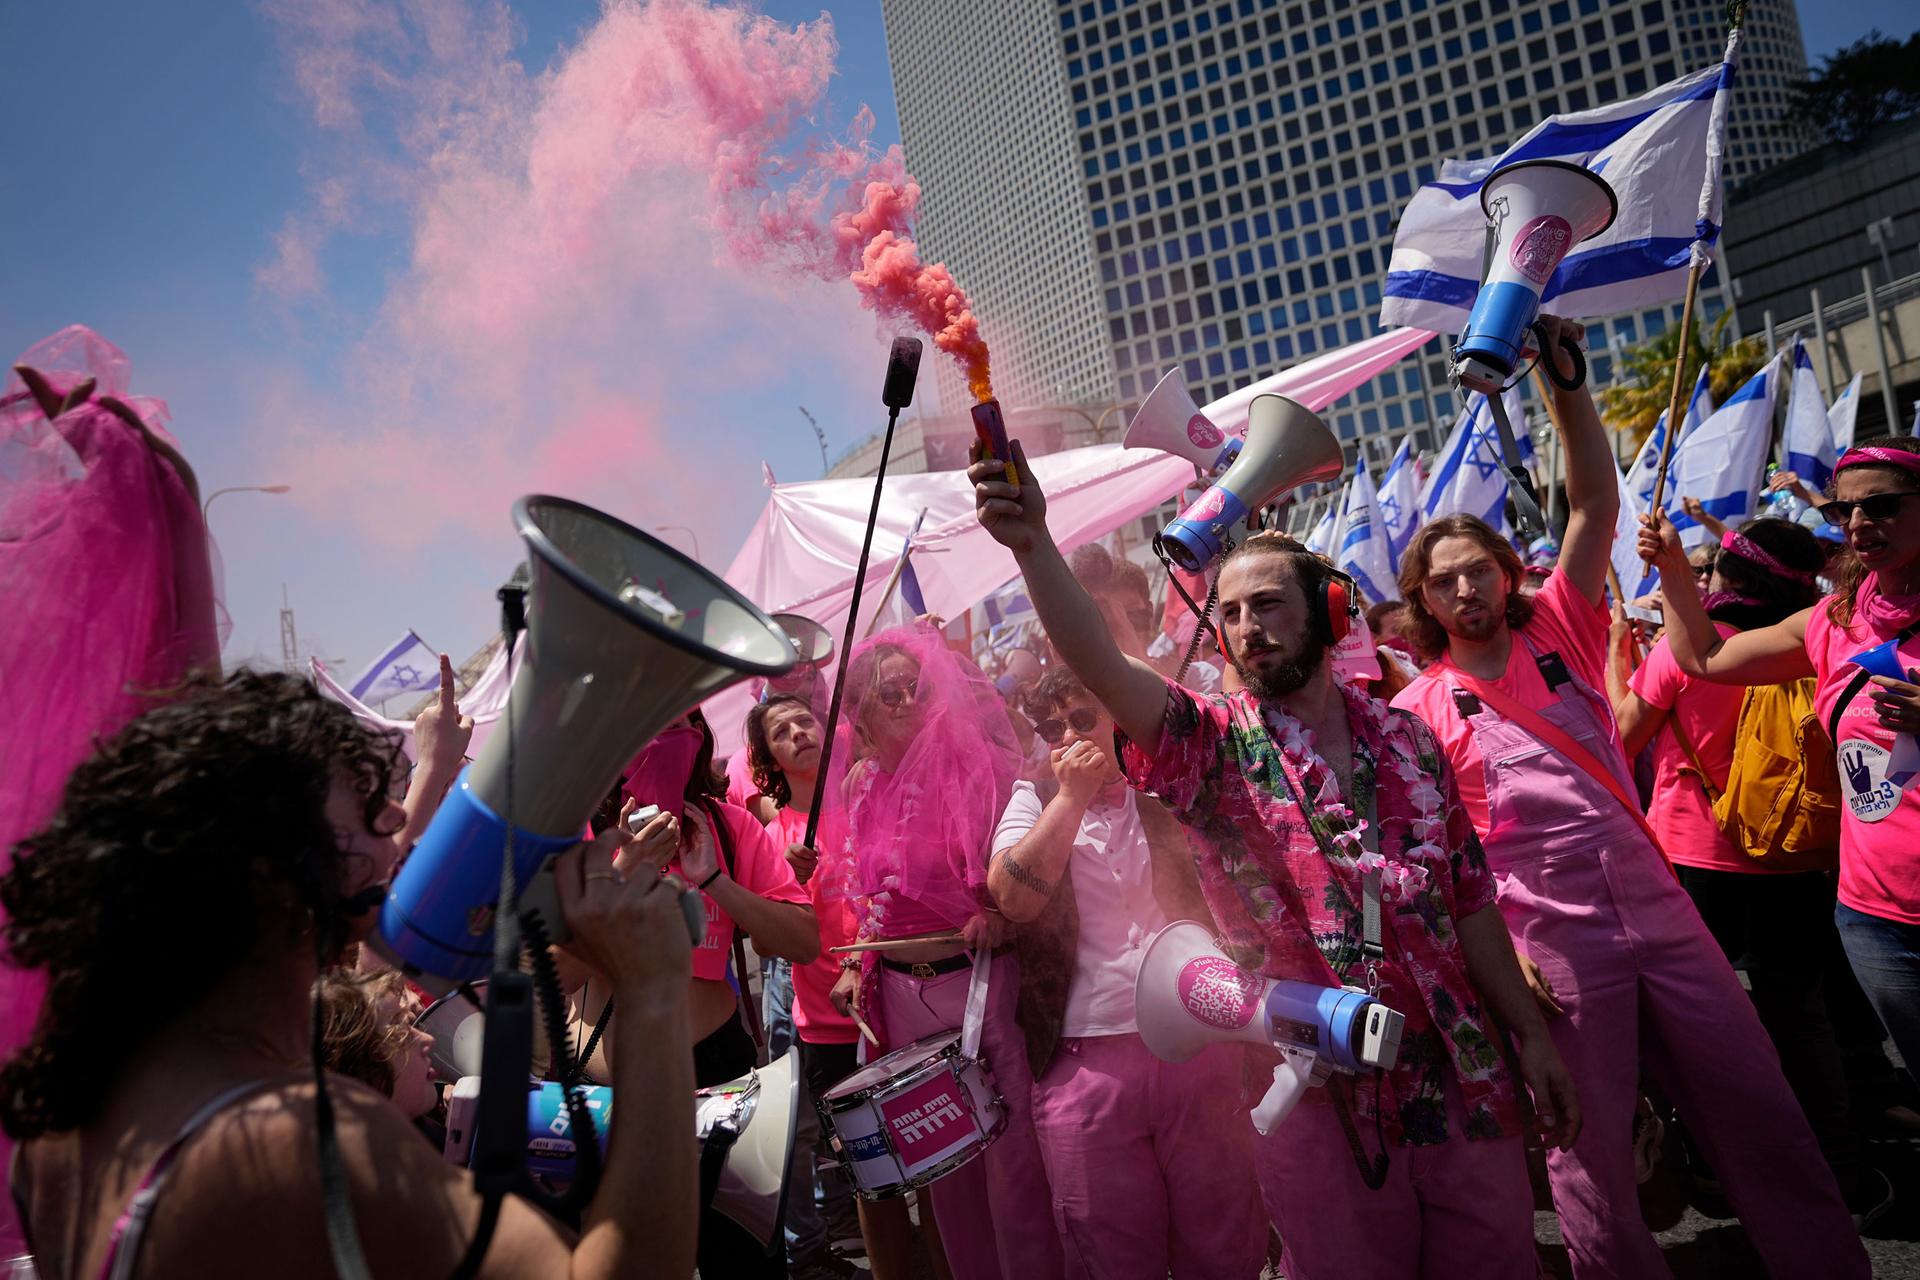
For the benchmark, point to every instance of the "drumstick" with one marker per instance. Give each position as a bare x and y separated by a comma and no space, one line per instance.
896,944
865,1030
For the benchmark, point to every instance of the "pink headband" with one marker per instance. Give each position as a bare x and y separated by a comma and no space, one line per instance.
1892,457
1747,549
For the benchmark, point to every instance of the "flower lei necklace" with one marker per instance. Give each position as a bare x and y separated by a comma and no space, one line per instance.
1401,878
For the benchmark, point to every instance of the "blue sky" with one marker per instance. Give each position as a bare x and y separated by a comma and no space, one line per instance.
154,153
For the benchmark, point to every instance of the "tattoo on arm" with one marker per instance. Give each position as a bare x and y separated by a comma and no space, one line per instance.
1025,878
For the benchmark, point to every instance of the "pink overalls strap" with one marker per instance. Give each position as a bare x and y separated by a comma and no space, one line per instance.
1538,801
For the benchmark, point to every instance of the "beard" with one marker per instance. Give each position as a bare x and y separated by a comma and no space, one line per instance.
1283,678
1483,627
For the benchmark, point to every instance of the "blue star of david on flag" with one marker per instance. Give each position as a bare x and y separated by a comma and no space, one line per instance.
409,665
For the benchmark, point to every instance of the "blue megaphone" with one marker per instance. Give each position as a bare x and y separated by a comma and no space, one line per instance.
1287,445
1881,660
624,636
1536,210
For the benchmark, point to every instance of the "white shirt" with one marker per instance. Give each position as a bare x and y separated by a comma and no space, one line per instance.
1113,888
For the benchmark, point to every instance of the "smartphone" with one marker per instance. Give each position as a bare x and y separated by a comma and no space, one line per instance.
641,817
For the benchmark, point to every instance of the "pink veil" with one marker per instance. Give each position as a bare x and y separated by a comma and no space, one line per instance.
918,827
110,589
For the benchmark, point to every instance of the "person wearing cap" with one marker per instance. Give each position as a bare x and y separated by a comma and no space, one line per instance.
1872,714
1515,694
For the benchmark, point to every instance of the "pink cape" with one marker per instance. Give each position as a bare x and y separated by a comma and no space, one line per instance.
111,599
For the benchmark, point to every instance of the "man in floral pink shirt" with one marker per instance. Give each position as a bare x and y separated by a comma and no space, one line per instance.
1285,891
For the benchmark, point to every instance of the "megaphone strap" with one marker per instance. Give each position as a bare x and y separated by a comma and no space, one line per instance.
1372,1172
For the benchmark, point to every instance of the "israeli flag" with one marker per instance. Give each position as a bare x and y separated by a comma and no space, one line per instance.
1807,445
1631,571
1840,417
409,668
1646,465
1320,541
1399,499
1468,475
1721,463
1364,552
1661,154
1522,430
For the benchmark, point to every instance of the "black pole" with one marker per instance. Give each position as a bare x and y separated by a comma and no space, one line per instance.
903,366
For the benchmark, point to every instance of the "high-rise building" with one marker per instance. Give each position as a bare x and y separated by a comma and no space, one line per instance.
1127,185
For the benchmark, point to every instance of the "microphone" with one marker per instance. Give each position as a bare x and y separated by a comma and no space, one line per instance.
903,368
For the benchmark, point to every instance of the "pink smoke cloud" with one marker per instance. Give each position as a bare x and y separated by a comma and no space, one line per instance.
596,253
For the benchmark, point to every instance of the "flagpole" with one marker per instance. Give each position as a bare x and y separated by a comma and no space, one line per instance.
893,579
1679,384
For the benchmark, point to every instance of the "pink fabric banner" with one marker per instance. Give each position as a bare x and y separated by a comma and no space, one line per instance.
801,555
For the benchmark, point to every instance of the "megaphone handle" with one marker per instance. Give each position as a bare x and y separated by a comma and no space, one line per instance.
1574,354
1526,507
1290,1080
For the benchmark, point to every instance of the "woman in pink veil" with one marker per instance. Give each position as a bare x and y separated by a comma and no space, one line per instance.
109,586
924,782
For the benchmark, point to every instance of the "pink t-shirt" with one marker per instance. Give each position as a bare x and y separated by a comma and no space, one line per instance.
740,784
1564,621
1680,813
758,866
813,1012
1879,820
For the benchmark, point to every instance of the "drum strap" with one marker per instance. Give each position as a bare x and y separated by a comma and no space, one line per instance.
976,1016
713,1159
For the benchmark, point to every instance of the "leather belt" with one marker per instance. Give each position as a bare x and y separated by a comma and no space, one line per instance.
924,969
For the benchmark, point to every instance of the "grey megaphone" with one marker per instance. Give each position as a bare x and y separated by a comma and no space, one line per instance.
1287,446
757,1117
624,636
1169,420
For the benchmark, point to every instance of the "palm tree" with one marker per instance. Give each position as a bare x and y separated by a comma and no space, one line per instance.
1643,379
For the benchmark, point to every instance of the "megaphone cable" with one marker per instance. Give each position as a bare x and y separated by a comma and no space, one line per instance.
1201,612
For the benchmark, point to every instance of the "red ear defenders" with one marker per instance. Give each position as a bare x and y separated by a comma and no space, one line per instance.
1332,603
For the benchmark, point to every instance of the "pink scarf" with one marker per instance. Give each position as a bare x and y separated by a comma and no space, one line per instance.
1886,614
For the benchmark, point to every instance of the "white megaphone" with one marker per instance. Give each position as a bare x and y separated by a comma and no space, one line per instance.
1287,445
1189,995
624,635
1169,420
1536,211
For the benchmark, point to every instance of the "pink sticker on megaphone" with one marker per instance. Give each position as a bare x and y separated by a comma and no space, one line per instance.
1209,505
1219,992
1541,244
1203,433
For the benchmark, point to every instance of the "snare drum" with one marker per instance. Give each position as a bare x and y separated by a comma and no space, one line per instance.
912,1117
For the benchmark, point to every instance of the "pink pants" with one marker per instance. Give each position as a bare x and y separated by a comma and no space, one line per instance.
1151,1162
1462,1207
1587,895
1641,978
994,1212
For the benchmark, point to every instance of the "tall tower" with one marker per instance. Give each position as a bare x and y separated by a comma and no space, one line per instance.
982,94
1130,185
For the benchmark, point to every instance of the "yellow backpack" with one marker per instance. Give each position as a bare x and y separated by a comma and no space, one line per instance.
1782,801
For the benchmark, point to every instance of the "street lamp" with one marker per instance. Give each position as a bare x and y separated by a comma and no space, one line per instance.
680,528
819,435
240,488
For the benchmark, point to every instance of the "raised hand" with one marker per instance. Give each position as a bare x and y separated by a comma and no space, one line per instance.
1016,517
440,733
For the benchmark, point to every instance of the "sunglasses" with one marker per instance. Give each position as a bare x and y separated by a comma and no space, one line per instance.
1881,506
898,692
1054,732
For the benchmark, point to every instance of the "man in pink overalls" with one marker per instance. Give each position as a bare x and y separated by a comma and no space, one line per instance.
1514,695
